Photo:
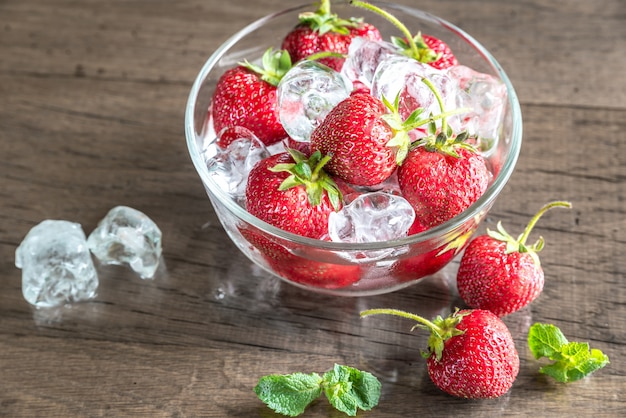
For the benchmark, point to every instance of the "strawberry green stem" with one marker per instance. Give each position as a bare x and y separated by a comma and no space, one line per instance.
391,19
533,221
316,171
431,86
396,312
324,7
325,54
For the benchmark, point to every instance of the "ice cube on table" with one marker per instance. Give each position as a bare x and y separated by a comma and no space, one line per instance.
230,161
306,94
127,236
364,56
57,267
371,217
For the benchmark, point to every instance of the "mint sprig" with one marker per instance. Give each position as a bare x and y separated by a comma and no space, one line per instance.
571,360
346,388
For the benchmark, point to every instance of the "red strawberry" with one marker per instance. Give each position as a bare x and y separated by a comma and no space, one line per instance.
429,263
444,56
323,31
424,48
500,273
442,178
428,50
471,353
246,96
231,134
297,269
365,137
315,273
356,137
293,193
443,174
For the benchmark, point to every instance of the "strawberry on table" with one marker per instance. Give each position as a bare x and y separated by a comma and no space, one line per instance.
246,96
293,193
322,31
471,353
500,273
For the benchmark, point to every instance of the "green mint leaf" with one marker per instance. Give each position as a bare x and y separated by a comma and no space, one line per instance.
349,389
545,340
289,394
572,360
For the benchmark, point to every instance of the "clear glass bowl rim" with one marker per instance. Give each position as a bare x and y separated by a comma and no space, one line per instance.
434,233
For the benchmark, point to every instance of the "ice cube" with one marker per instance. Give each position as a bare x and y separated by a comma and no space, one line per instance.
127,236
231,158
364,55
486,96
306,94
56,265
371,217
402,76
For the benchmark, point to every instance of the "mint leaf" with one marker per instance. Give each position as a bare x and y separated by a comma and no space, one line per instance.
572,360
349,389
346,388
545,340
289,394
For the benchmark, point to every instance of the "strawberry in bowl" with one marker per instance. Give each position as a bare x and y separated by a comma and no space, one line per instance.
354,167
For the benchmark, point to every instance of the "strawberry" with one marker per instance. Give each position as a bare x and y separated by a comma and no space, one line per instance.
500,273
424,48
441,179
299,269
324,32
443,174
366,138
356,136
246,96
471,354
428,263
316,273
293,193
428,50
231,134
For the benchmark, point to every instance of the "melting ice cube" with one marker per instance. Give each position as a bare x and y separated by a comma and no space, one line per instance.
364,55
402,76
486,96
56,264
233,159
305,96
371,217
127,236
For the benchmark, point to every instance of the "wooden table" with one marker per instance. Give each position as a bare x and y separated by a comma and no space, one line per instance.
92,98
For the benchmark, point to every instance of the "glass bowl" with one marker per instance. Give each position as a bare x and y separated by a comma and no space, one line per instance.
341,268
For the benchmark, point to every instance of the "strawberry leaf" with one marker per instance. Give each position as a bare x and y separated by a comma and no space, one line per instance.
275,65
571,360
308,172
323,21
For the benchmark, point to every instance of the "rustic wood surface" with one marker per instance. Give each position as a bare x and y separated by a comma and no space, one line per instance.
92,98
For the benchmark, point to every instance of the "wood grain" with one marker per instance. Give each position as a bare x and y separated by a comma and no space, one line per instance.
91,116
